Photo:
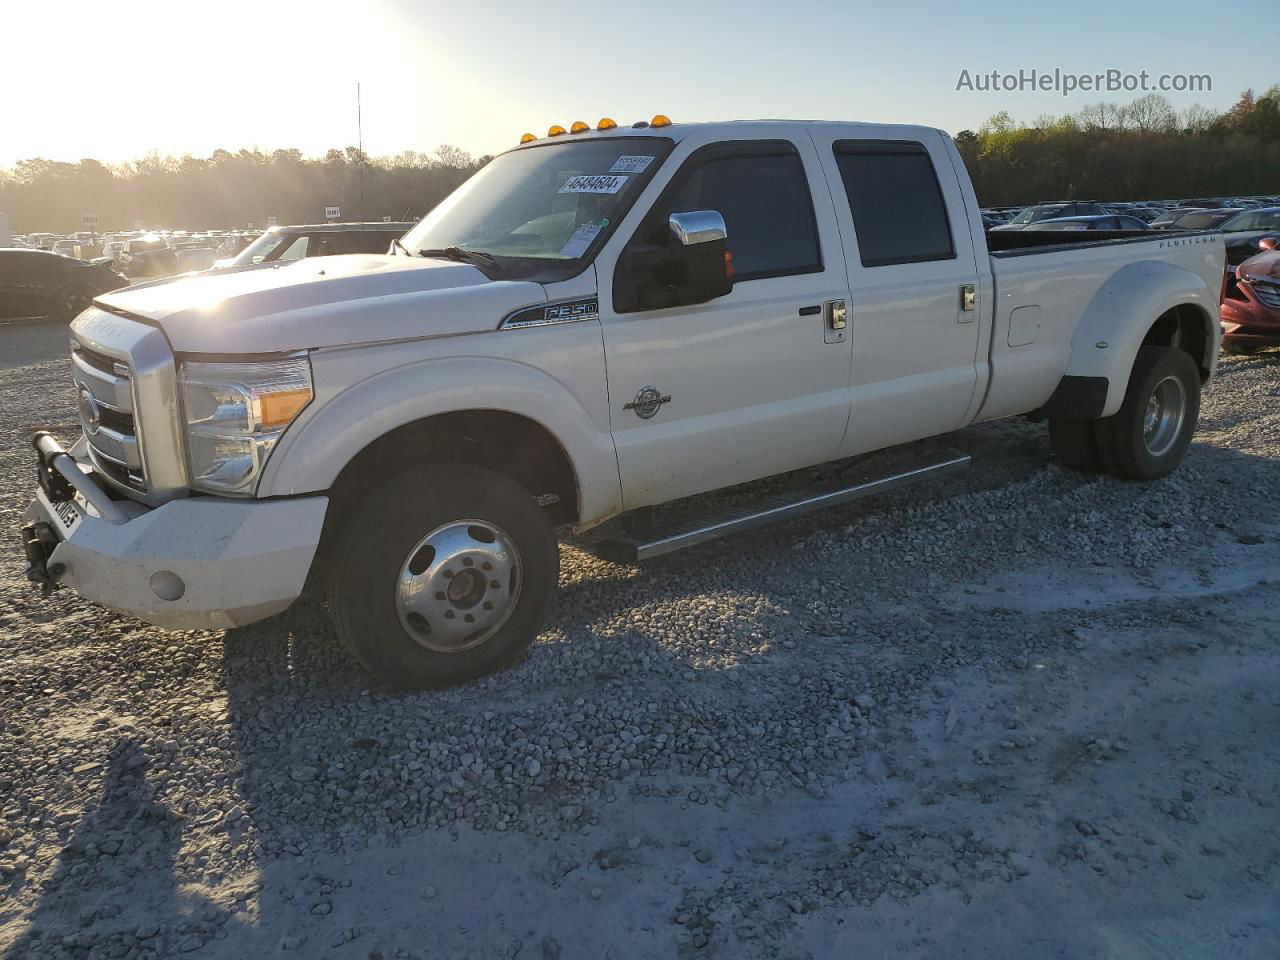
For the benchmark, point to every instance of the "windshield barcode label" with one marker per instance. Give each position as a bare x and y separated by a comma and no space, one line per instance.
586,184
630,163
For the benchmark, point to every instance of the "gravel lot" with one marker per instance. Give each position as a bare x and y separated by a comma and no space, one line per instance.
1019,713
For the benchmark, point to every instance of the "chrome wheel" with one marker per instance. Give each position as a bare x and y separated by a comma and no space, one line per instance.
1162,422
458,585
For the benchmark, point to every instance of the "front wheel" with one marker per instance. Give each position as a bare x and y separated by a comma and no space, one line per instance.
442,574
1149,435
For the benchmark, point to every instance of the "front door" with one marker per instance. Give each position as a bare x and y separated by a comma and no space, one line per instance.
752,383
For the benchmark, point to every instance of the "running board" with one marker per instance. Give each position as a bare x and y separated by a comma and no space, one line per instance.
862,480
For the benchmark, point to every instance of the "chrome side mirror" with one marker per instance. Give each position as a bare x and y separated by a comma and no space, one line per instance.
697,226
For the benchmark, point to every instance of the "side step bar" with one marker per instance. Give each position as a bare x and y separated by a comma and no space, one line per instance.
862,481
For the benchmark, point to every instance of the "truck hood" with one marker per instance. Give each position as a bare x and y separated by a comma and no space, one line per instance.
323,302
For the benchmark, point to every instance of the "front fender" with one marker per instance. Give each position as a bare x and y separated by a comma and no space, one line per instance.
314,450
1114,324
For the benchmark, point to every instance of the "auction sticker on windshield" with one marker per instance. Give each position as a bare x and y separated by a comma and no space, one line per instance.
590,184
581,239
631,163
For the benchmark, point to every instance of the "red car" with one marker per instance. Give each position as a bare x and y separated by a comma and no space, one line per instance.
1251,303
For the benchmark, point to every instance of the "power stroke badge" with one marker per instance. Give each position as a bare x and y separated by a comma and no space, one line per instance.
647,402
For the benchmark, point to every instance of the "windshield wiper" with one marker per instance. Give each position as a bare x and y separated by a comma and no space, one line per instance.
462,255
395,242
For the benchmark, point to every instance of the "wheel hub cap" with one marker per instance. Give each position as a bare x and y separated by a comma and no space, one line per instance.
1162,422
458,585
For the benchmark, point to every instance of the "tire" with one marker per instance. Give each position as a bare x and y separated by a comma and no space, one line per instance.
1130,443
1239,349
69,302
406,584
1074,445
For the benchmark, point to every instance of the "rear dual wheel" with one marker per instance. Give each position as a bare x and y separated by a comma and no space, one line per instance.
442,574
1148,436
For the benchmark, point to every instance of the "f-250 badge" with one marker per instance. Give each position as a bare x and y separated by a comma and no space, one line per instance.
647,402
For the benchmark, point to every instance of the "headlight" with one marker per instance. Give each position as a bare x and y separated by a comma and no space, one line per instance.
235,414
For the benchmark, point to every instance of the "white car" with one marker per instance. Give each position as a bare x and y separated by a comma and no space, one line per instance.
596,324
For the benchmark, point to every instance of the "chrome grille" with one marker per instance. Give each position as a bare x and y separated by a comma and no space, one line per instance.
1268,293
106,406
127,383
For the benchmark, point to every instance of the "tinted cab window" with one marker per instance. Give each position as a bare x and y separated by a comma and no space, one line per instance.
763,194
897,206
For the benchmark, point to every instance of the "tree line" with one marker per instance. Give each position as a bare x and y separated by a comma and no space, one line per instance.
1144,150
1106,151
228,190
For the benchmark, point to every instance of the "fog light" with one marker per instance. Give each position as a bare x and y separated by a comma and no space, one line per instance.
167,585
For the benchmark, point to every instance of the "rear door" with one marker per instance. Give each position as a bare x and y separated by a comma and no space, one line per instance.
913,279
752,383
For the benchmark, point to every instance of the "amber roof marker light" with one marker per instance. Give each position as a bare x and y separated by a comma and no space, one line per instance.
528,138
556,130
660,120
579,127
606,123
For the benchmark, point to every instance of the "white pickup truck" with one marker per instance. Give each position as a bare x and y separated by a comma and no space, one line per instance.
599,322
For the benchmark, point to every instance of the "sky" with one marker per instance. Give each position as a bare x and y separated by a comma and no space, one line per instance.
88,78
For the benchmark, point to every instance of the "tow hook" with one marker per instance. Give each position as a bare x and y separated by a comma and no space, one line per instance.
38,543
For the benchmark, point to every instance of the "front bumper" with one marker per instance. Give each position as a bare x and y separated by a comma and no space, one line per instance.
194,563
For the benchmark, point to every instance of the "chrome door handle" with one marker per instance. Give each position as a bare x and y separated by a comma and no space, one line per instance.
968,301
836,315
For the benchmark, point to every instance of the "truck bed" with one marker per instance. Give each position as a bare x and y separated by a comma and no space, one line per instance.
1040,291
1021,242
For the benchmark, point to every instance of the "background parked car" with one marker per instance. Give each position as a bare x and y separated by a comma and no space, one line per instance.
192,257
1243,232
318,240
1166,220
1048,211
37,283
67,248
145,257
1205,219
1109,221
1251,303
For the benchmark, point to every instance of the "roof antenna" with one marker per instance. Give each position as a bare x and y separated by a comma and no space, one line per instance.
360,147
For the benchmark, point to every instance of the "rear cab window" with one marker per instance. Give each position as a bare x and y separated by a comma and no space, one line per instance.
899,214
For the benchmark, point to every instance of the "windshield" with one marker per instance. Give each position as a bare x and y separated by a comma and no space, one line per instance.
1254,220
552,204
258,251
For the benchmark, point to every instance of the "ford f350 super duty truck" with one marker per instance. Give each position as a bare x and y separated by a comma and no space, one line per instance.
598,322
